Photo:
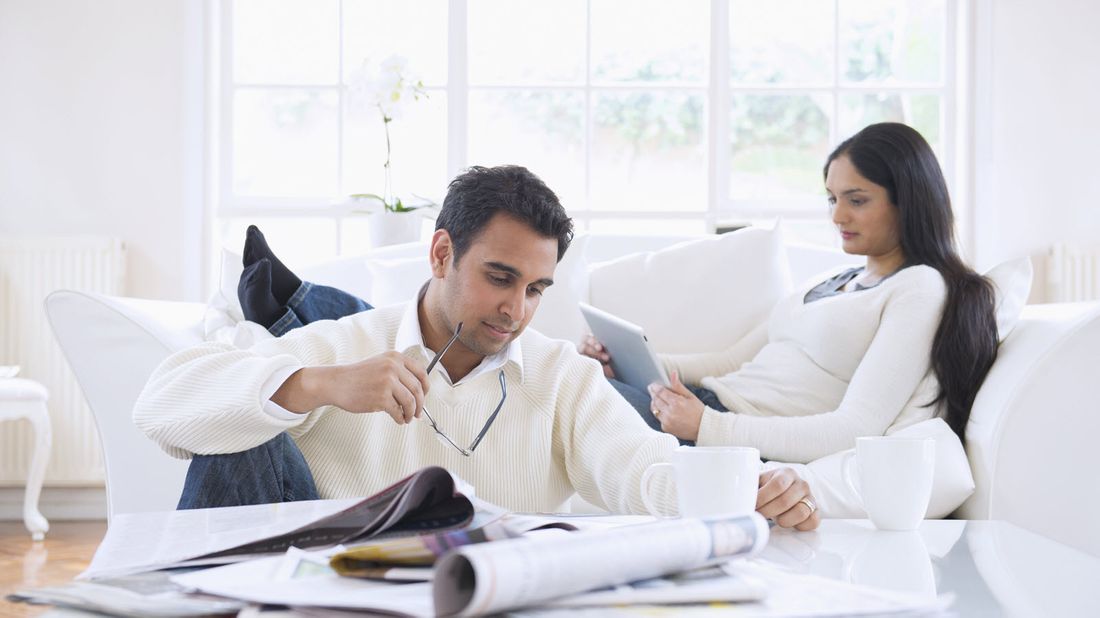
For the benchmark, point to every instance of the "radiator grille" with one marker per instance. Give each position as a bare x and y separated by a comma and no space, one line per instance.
29,270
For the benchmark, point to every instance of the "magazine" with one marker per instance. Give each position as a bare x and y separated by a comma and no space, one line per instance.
136,542
494,577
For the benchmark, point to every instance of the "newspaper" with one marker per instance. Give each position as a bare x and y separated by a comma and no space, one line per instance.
493,577
138,542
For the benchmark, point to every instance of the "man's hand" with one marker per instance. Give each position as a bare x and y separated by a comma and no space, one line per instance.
782,498
390,383
678,409
592,348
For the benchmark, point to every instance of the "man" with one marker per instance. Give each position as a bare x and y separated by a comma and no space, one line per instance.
525,419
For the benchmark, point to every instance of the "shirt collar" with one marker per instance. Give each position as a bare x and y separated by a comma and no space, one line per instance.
410,337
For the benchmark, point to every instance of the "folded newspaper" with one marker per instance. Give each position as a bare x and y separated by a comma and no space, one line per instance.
495,576
136,542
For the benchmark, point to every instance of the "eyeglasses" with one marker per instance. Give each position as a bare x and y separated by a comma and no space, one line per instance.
442,437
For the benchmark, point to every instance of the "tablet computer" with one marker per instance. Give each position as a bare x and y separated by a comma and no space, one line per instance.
632,358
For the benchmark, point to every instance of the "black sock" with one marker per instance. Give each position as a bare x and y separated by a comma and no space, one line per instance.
284,283
258,304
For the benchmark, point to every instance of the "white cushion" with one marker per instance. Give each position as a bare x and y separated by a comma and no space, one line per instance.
697,296
1012,282
397,280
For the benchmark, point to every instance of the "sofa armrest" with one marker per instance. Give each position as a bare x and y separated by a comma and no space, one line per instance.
112,345
1034,424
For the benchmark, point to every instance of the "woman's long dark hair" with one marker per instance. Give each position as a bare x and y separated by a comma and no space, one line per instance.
896,157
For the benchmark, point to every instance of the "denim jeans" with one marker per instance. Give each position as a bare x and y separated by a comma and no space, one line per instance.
641,401
275,471
312,302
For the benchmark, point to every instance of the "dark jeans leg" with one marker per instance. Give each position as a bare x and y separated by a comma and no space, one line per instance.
641,400
312,302
275,471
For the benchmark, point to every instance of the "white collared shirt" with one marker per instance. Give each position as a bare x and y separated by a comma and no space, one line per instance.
409,337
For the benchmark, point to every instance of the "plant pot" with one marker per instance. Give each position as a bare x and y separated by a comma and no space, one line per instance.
393,228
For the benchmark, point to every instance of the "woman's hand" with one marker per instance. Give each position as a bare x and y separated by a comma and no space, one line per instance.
785,498
592,348
678,409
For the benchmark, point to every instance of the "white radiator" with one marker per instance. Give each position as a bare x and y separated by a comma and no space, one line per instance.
29,270
1073,274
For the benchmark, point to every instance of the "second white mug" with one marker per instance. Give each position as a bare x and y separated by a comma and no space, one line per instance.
710,480
895,479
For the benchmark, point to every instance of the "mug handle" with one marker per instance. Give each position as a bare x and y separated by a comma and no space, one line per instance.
644,485
846,474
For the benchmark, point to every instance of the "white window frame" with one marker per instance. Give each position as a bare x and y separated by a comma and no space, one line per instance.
718,91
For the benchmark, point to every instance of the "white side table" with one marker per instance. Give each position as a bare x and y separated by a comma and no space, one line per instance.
22,398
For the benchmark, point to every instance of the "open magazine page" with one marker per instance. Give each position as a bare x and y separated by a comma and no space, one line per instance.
494,577
137,542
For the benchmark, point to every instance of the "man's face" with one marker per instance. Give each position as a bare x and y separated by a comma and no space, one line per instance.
497,284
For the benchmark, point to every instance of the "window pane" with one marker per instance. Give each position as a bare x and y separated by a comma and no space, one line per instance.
298,241
285,41
526,41
538,129
650,40
920,111
284,142
649,227
648,152
892,40
418,142
767,46
779,143
376,29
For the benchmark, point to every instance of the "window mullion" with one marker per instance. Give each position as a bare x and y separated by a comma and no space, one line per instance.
589,116
718,138
458,88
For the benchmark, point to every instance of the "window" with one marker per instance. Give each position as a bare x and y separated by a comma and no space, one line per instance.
643,115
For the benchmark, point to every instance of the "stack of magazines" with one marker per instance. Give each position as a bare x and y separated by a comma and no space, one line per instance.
420,548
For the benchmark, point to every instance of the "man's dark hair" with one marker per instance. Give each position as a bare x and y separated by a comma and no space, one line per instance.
477,194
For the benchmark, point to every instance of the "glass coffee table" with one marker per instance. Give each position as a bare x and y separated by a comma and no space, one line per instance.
986,567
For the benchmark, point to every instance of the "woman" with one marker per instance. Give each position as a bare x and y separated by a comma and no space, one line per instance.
885,344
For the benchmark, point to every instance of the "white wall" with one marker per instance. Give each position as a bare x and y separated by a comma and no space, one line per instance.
101,130
1038,151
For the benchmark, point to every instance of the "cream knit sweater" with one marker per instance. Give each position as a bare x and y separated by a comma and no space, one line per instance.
562,428
818,375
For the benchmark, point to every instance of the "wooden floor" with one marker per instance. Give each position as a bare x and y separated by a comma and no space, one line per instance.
67,550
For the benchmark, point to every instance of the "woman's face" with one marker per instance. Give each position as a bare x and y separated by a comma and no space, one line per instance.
862,211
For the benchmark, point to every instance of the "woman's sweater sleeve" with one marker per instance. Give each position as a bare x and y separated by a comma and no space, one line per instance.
693,368
891,370
206,399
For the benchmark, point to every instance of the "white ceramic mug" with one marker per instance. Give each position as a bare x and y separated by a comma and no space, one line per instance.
710,480
895,479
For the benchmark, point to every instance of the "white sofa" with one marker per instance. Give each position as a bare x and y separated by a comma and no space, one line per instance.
1028,440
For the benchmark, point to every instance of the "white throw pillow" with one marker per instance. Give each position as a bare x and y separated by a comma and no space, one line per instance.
1012,280
697,296
398,279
